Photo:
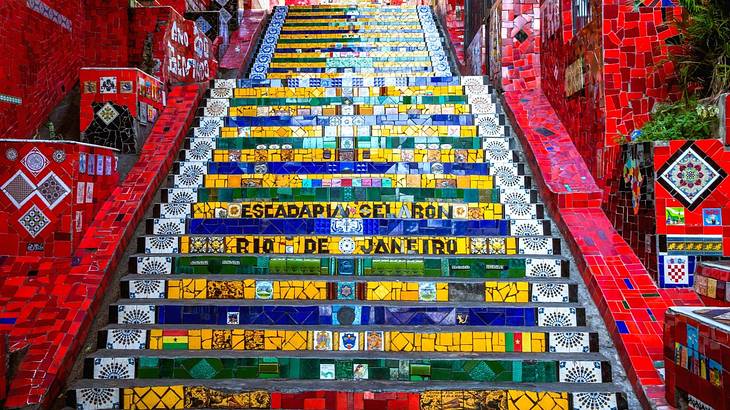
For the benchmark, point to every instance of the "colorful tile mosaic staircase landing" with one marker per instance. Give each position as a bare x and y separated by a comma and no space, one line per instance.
352,214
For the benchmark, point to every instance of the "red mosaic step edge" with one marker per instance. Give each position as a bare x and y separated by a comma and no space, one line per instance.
57,330
630,303
243,40
561,167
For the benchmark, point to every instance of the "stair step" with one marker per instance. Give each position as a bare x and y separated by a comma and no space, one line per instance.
477,84
495,267
400,210
293,224
347,245
294,394
351,313
517,199
198,365
501,291
414,341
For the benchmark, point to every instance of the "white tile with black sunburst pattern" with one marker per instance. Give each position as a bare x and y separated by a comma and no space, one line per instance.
190,175
497,151
153,265
527,227
216,107
146,289
161,244
569,342
536,245
550,292
97,398
580,371
166,226
201,149
543,268
208,127
135,314
126,339
595,401
108,368
557,317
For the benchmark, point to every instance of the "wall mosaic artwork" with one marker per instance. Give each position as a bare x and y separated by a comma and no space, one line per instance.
712,283
142,94
690,186
695,345
50,192
92,33
178,52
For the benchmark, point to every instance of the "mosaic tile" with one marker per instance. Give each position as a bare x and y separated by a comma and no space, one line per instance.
114,368
19,189
34,221
97,398
690,175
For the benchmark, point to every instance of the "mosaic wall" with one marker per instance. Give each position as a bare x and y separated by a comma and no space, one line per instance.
691,206
494,45
669,206
696,351
112,126
49,40
630,203
169,47
588,74
141,93
50,193
520,44
581,106
66,295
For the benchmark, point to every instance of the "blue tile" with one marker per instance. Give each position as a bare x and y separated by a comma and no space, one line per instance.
622,329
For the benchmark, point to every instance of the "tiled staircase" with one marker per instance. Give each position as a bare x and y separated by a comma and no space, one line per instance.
350,218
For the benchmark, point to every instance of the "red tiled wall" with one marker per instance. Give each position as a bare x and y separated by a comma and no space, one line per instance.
634,48
696,358
520,59
636,75
107,32
152,37
582,113
145,88
69,216
46,57
179,5
623,49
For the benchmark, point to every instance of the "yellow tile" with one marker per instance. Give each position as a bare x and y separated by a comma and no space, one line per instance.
206,336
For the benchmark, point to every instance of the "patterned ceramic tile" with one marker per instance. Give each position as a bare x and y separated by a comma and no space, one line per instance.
114,368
